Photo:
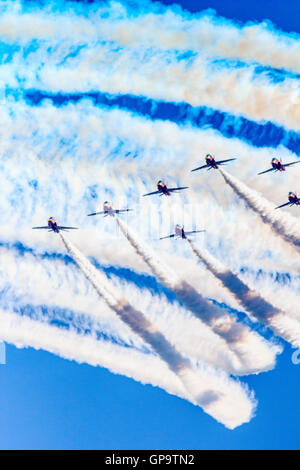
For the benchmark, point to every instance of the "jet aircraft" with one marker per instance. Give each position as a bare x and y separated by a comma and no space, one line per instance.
108,210
53,227
293,200
180,232
162,188
212,163
277,165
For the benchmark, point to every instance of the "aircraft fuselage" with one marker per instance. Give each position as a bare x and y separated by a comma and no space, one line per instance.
52,224
211,162
293,198
107,208
162,188
179,231
277,165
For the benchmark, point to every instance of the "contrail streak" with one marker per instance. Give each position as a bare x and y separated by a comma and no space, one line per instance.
202,391
132,317
155,26
255,304
250,351
27,134
20,276
236,405
163,77
283,224
159,74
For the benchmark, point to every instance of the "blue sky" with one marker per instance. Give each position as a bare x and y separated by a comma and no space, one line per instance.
47,402
51,403
282,16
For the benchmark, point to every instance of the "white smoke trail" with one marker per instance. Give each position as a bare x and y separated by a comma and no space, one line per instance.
153,26
235,406
32,133
283,294
198,341
296,97
91,139
201,390
251,351
20,276
132,317
30,280
252,301
283,224
160,76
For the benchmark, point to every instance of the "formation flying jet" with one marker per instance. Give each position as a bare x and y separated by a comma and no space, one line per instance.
293,199
180,233
108,210
162,188
277,165
211,163
52,226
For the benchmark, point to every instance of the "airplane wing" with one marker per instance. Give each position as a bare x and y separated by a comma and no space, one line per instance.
200,167
169,236
283,205
150,194
117,211
289,164
61,227
224,161
194,231
44,227
177,189
266,171
96,213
